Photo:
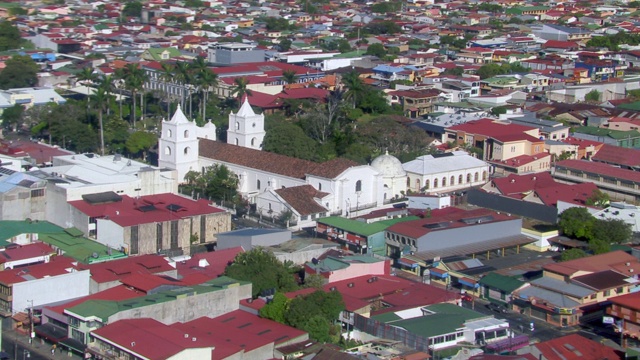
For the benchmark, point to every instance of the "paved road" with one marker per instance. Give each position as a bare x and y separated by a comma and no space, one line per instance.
18,348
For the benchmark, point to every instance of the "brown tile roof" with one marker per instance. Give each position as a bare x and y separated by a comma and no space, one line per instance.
272,162
602,280
302,199
615,260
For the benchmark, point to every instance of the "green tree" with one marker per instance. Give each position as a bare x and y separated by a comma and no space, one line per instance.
597,246
240,88
101,98
577,222
263,270
612,231
217,183
376,50
355,87
284,44
140,142
12,117
288,139
132,8
457,71
319,329
116,133
134,79
498,110
276,309
598,198
573,254
20,71
592,96
289,76
343,46
9,36
315,313
315,281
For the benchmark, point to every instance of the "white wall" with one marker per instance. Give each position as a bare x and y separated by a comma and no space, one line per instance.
110,233
51,289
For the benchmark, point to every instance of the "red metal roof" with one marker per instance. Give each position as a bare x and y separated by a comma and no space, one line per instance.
211,264
24,252
58,265
600,168
617,155
119,269
576,347
491,128
517,184
40,152
147,209
630,301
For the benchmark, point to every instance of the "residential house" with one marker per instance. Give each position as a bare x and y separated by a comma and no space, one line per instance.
415,103
29,97
562,33
338,268
252,238
499,288
625,310
574,148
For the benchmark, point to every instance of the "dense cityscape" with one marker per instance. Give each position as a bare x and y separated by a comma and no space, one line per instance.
320,180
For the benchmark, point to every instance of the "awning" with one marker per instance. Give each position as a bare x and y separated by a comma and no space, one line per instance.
51,332
408,262
468,282
74,345
438,273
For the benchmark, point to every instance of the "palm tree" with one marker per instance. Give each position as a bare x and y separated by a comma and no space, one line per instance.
119,84
289,76
167,74
86,76
207,79
355,87
101,97
240,88
135,77
184,77
107,83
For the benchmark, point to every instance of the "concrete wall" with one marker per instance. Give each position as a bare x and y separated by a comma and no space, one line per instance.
189,354
51,289
303,256
356,270
110,233
211,304
447,238
225,57
17,204
226,241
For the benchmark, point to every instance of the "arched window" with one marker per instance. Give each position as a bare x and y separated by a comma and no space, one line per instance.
426,184
452,181
408,181
418,184
358,185
484,176
435,183
169,133
475,177
444,181
237,141
319,186
186,133
385,196
167,150
258,184
253,142
460,179
468,178
186,150
237,125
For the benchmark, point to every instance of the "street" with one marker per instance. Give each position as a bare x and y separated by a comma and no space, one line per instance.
17,351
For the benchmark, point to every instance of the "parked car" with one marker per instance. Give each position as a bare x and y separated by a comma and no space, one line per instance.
467,297
497,308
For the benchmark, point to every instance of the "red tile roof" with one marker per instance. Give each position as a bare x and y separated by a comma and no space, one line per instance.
303,199
40,152
211,264
571,193
615,260
576,347
618,156
629,301
119,269
491,128
518,184
600,168
146,209
582,143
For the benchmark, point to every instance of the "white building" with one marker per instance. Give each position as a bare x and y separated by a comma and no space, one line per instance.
394,177
246,129
445,172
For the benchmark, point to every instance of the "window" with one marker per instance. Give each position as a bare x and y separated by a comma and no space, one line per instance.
426,184
619,290
435,183
134,240
513,149
460,179
203,229
607,293
418,183
484,176
186,150
237,125
475,177
237,141
174,234
159,236
258,184
593,296
409,181
444,181
37,193
253,142
77,335
169,133
186,134
358,185
167,150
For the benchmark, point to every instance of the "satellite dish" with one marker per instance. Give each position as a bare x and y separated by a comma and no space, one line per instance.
95,255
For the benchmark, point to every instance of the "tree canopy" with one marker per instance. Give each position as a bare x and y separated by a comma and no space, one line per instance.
316,313
263,270
9,36
577,222
216,183
20,71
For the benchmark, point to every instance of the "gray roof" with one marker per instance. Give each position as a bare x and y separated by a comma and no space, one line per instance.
562,287
253,232
428,164
552,298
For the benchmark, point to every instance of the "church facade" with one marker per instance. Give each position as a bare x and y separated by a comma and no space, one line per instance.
275,183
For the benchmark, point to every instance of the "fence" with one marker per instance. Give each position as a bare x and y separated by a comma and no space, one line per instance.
512,206
386,331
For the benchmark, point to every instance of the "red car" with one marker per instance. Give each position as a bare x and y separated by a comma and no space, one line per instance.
467,297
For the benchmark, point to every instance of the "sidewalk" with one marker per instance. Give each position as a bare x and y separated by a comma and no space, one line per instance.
37,346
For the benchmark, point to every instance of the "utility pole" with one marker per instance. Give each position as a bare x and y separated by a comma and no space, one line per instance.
31,332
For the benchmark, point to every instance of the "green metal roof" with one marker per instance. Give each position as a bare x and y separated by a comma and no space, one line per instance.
331,263
501,282
614,134
80,248
349,54
103,309
631,106
9,229
361,227
446,318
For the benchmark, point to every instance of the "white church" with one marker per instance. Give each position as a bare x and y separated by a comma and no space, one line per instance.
277,183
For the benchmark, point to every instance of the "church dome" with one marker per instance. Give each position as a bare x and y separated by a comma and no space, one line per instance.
388,165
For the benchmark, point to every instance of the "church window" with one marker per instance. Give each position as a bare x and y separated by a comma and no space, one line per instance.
444,181
186,150
167,150
319,186
460,179
426,184
418,183
358,185
468,178
186,133
258,184
169,133
237,142
237,125
253,125
452,181
435,183
253,142
484,176
475,177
